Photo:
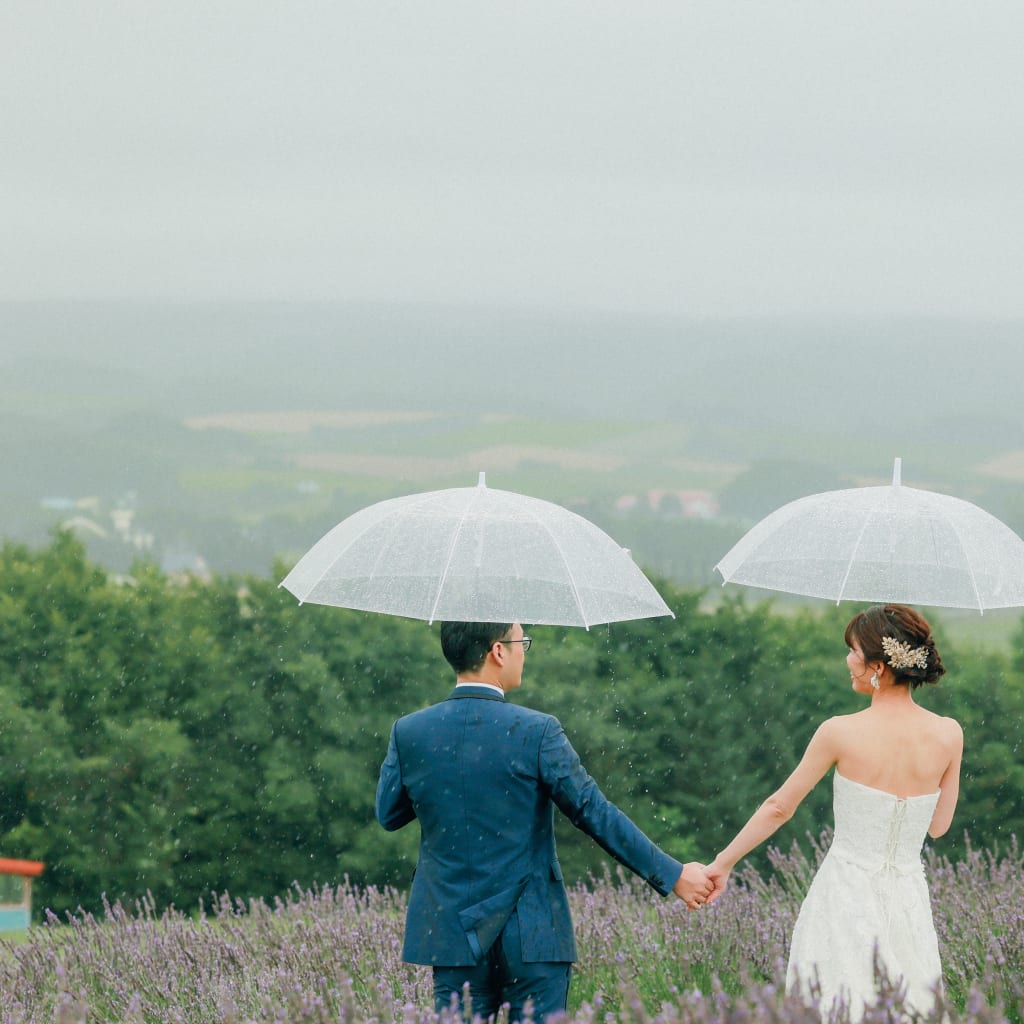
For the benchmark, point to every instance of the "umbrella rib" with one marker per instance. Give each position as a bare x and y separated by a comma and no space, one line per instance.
568,570
451,551
853,555
970,568
327,568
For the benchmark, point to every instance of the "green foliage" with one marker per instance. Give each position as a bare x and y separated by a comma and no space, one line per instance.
688,724
183,738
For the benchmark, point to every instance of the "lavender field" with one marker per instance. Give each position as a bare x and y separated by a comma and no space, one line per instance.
333,954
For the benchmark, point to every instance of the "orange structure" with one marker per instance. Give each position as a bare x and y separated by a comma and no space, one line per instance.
16,891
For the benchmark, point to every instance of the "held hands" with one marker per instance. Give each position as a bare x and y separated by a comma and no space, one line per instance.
698,885
693,886
718,874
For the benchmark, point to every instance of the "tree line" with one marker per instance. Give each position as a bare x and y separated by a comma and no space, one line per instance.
183,738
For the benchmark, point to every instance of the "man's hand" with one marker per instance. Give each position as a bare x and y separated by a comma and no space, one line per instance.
693,886
718,874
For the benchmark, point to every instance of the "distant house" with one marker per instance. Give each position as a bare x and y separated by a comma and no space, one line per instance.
122,519
670,503
182,563
16,892
698,504
59,504
82,525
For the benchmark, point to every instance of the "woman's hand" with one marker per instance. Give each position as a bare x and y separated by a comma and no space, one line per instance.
718,873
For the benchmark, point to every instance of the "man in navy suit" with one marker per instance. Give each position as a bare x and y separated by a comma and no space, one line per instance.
482,776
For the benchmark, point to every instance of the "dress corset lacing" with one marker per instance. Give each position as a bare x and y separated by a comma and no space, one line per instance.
889,868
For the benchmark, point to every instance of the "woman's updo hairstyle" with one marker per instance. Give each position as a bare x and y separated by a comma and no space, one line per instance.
900,637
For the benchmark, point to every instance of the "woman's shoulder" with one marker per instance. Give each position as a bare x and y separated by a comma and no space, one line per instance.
943,722
838,731
950,727
942,730
845,733
837,724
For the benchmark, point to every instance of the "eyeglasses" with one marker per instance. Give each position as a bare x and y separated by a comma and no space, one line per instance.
525,641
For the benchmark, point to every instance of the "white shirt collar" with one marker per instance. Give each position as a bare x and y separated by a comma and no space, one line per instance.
490,686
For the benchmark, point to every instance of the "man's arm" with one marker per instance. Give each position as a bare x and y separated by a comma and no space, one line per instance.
580,799
394,808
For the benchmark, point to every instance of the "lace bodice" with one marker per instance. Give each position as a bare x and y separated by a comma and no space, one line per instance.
877,830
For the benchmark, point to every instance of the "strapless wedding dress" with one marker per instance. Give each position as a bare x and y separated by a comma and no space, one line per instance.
870,890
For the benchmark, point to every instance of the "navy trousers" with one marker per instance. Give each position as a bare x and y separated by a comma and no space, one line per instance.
502,977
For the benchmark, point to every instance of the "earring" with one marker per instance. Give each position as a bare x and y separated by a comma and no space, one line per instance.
874,681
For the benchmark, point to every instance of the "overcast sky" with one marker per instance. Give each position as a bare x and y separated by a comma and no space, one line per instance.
705,158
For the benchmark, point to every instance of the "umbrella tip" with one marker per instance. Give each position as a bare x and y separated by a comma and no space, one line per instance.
482,481
897,471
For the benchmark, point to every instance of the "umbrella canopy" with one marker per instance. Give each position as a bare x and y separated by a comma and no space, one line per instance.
479,555
883,544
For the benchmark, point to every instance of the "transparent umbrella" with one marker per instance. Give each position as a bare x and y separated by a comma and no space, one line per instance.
883,544
475,554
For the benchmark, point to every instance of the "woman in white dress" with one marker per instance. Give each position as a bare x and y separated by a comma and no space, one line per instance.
897,778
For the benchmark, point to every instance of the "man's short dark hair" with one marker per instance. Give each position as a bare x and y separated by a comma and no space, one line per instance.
465,644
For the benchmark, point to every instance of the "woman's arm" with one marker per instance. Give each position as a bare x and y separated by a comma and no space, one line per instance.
949,784
821,754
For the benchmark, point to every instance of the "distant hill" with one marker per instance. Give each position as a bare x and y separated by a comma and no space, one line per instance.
193,359
106,401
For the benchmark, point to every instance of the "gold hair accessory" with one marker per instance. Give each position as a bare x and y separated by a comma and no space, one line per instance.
899,654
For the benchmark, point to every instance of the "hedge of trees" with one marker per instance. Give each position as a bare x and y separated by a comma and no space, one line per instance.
184,738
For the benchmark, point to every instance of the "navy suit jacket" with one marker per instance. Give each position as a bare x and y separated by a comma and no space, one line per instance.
482,777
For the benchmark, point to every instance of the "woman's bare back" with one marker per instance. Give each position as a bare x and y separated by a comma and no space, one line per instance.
899,748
